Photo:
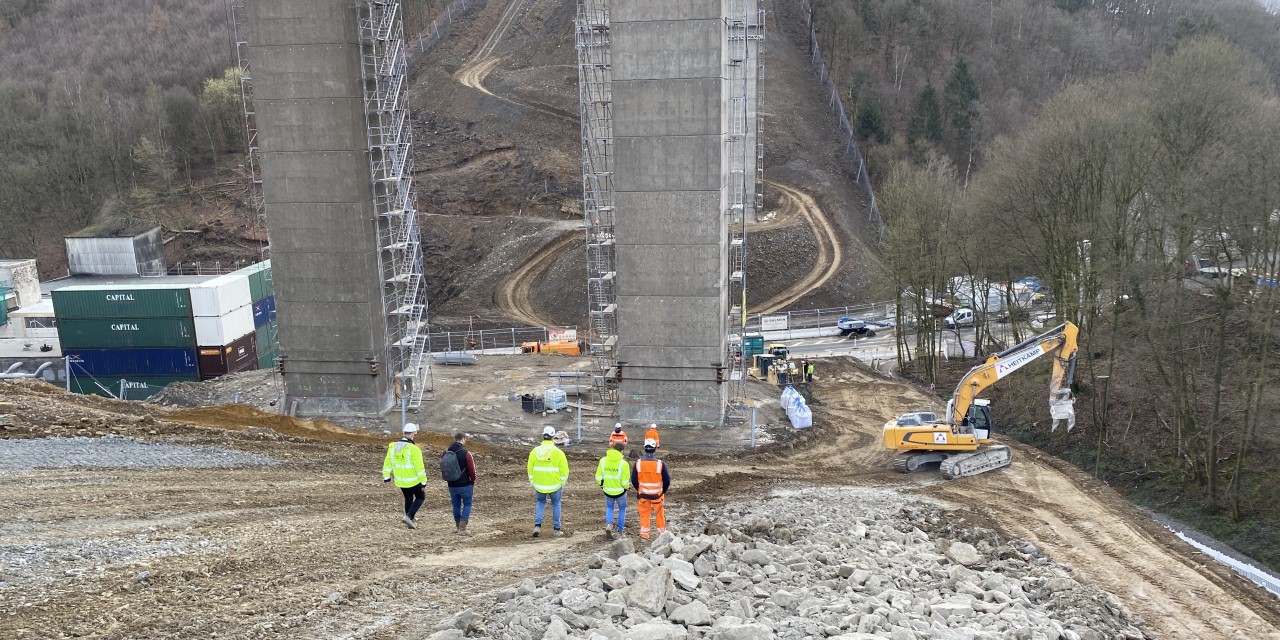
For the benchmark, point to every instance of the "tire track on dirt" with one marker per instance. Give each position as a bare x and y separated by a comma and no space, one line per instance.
830,253
513,296
473,75
508,16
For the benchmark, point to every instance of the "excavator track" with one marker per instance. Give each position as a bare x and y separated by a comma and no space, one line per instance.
913,461
988,458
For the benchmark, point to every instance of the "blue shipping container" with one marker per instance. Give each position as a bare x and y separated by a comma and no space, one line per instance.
264,311
133,362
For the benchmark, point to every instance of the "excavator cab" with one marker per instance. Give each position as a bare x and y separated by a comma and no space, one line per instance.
978,421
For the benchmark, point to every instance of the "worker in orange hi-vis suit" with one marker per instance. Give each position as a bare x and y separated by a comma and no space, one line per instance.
650,478
652,434
618,436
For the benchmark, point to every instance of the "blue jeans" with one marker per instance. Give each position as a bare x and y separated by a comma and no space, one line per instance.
618,502
542,507
461,497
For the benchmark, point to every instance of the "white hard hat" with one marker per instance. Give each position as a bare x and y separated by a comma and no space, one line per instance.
410,427
653,425
548,431
649,443
617,426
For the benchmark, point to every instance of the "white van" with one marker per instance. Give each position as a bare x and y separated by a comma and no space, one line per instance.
962,317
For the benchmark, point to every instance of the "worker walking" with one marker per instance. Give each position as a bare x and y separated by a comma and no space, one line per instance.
652,434
548,471
618,436
458,470
651,480
614,479
404,464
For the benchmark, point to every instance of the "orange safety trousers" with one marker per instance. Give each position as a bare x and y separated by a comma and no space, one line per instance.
645,507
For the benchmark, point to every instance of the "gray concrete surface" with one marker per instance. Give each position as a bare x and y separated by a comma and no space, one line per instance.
309,101
117,453
668,84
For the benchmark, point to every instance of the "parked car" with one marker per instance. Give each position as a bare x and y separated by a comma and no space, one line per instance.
962,317
855,327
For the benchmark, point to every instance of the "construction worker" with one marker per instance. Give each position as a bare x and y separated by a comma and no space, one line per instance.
650,477
808,372
548,471
404,464
458,470
618,436
652,434
614,479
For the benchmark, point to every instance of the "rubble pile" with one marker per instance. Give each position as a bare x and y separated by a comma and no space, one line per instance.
847,563
258,389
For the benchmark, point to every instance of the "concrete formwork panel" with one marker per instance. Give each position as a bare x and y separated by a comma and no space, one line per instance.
341,326
669,163
649,10
299,72
662,217
286,22
667,50
325,277
693,270
322,227
688,106
298,125
650,322
672,403
319,177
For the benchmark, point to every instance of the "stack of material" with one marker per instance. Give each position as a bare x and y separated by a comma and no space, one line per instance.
266,335
126,341
797,411
223,312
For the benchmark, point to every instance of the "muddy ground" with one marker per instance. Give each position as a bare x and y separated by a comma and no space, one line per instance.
312,546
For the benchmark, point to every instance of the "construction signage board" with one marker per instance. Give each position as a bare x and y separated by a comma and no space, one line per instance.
773,323
562,335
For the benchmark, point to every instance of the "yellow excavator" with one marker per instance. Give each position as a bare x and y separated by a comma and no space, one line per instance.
961,441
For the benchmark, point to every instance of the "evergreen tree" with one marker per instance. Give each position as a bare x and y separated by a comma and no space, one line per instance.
960,97
870,123
926,118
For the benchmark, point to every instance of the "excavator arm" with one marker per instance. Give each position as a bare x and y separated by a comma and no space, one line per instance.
1060,342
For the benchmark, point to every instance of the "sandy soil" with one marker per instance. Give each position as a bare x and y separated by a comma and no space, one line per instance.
312,547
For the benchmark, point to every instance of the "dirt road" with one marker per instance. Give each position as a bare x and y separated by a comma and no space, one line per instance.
311,547
830,254
513,295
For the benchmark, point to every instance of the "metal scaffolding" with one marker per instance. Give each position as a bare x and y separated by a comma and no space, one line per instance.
745,151
240,44
383,67
595,103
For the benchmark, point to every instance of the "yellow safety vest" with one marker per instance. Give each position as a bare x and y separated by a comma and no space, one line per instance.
404,463
613,475
548,468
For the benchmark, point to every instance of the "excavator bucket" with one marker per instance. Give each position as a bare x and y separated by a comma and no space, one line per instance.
1062,409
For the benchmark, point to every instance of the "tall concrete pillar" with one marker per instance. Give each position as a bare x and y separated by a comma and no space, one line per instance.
670,178
319,203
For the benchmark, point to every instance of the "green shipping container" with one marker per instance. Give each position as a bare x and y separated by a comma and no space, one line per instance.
259,275
134,388
112,301
268,360
267,337
111,333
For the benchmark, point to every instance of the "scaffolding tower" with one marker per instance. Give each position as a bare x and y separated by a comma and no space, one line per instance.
383,71
240,44
744,192
595,103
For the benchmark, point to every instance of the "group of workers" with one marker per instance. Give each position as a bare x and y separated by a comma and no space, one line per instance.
548,471
791,372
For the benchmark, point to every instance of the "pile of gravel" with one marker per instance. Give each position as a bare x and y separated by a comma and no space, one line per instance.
117,452
847,563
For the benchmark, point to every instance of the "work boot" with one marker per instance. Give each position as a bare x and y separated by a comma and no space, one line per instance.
408,522
608,532
644,533
537,530
462,528
559,533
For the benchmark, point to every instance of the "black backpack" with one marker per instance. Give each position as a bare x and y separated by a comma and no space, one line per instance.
450,469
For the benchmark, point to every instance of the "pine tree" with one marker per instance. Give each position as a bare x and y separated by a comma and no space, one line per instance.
960,97
870,123
926,118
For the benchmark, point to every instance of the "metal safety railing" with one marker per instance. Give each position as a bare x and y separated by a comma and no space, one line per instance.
481,339
419,44
816,318
850,141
